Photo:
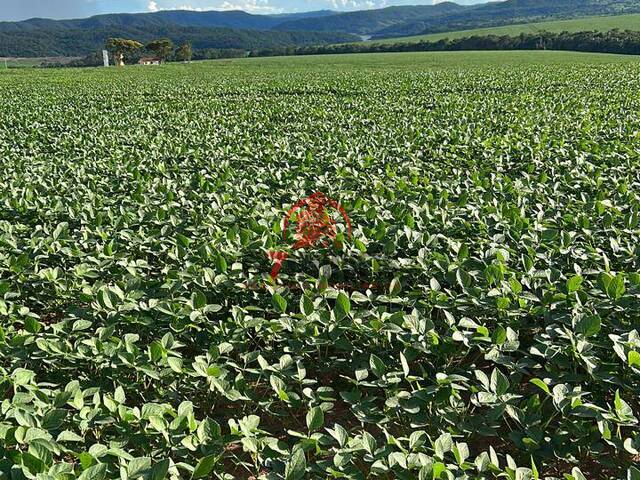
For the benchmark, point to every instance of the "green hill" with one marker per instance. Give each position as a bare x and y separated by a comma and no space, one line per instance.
392,22
60,42
511,12
602,24
369,22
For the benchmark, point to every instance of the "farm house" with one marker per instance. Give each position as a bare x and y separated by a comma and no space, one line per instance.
150,61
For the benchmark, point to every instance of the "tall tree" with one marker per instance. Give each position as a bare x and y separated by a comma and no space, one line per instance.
161,48
184,53
120,46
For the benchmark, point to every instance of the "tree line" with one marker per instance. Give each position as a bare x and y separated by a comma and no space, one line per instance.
613,41
124,50
163,49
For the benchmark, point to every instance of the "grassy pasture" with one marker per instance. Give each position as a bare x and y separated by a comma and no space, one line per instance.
602,24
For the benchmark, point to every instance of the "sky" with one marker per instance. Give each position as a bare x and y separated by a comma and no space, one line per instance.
11,10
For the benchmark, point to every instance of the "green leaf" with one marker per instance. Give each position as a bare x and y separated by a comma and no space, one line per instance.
438,469
279,303
543,386
315,419
523,473
119,395
54,418
377,366
31,325
160,470
623,410
32,463
340,434
589,326
463,278
306,305
515,285
156,351
175,364
279,387
369,443
534,469
461,452
633,473
80,325
343,306
442,445
499,382
97,472
395,287
503,303
138,467
613,286
221,264
482,462
22,376
499,335
634,358
204,467
198,300
296,466
574,283
68,436
630,447
577,474
360,245
182,240
406,370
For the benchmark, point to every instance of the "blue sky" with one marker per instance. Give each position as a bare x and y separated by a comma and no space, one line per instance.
23,9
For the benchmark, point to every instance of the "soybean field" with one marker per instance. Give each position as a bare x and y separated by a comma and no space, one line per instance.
480,320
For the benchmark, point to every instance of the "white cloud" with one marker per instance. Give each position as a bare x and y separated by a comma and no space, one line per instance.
251,6
187,7
274,6
356,4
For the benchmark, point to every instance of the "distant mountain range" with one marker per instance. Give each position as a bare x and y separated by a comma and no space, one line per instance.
449,16
241,30
181,18
40,37
509,12
370,22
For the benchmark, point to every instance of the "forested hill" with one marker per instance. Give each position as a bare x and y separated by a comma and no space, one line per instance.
205,30
183,18
369,22
512,12
446,16
45,42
